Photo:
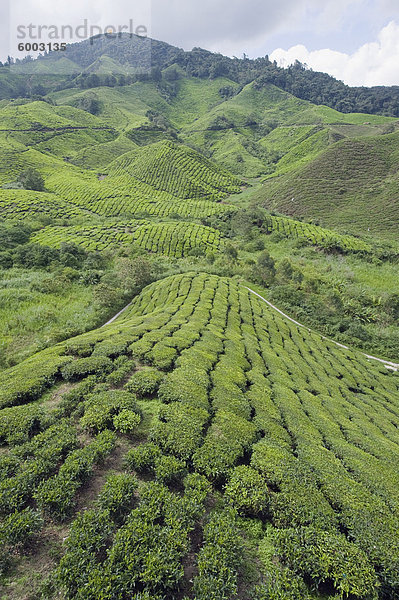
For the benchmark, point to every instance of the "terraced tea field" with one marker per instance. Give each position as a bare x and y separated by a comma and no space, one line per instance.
316,235
171,239
228,411
21,204
178,170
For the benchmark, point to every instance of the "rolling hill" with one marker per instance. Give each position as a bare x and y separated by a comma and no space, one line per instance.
271,423
199,444
352,186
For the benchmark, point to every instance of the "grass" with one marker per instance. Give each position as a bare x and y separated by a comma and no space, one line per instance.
31,319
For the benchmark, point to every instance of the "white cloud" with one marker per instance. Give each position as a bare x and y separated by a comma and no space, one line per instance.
374,63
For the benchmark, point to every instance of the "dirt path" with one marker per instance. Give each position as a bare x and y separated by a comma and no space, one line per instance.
388,364
116,316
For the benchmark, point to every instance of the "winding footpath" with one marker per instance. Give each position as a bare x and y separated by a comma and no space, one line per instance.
388,364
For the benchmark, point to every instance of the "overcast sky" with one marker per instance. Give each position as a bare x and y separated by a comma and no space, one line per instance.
354,40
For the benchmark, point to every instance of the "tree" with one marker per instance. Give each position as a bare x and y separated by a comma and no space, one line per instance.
265,269
231,252
31,180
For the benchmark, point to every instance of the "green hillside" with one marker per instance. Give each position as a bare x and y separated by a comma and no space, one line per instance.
352,186
172,239
198,269
177,170
232,419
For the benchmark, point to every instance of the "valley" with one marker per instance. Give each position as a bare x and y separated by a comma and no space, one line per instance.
199,333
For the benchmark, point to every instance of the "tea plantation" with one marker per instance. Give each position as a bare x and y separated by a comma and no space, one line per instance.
166,433
202,414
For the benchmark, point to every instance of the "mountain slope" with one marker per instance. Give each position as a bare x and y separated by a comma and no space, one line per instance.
286,427
353,186
177,170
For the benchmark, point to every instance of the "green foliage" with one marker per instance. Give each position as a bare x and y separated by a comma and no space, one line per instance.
82,367
103,409
145,382
31,179
179,429
27,381
126,421
19,528
247,492
325,556
18,424
56,495
118,494
169,469
34,462
219,559
87,541
143,458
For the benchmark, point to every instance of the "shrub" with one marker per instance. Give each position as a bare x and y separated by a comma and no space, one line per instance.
186,385
81,367
219,559
162,357
71,400
19,528
88,539
117,495
246,491
56,495
169,469
43,454
126,421
179,429
28,380
31,179
145,382
133,562
142,459
281,584
102,407
227,439
19,423
326,556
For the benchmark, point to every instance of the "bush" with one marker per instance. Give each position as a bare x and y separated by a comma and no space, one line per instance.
123,367
42,456
31,180
56,495
19,423
219,559
101,409
186,386
145,382
179,429
28,380
86,543
326,556
282,584
117,495
142,459
81,367
19,528
126,421
247,491
169,469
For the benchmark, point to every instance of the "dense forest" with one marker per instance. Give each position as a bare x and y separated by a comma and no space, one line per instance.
154,56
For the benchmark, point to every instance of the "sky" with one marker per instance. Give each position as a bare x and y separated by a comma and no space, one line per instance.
356,41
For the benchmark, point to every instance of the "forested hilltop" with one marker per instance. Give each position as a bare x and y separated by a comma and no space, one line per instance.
302,82
199,333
